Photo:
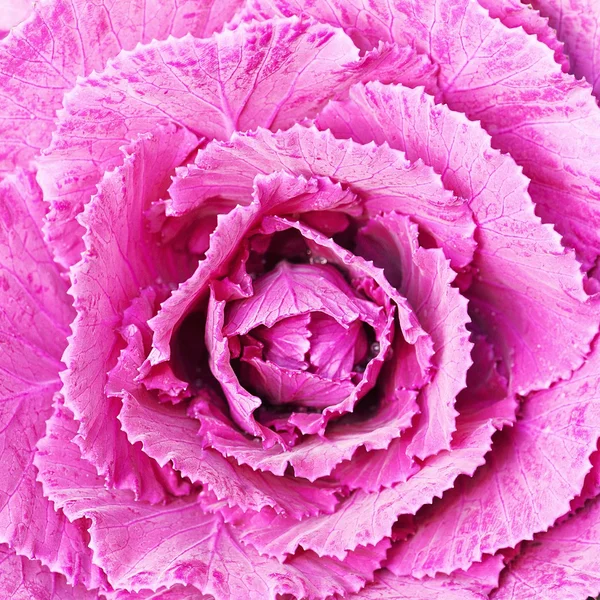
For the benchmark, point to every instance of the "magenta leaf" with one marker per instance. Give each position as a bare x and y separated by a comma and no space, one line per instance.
264,72
511,238
528,482
41,59
385,180
105,282
143,546
23,579
34,321
575,22
373,514
560,564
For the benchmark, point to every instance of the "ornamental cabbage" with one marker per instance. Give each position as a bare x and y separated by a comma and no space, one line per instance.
299,300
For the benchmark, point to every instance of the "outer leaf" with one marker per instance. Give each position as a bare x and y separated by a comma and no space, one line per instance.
561,564
121,258
523,99
527,484
382,177
564,184
42,58
34,318
177,592
480,576
146,547
528,291
591,484
576,23
23,579
269,74
473,584
391,587
516,14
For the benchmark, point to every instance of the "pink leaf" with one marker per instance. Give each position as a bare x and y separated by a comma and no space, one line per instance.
561,564
269,74
372,515
425,278
149,547
121,258
168,434
34,319
529,480
382,177
576,22
527,294
23,579
42,58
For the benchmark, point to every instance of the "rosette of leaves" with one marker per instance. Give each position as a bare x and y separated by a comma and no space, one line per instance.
298,300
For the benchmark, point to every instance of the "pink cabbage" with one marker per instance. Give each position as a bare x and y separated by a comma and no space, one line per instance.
298,300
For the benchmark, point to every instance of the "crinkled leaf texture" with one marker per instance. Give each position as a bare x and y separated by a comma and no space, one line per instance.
168,434
528,482
576,24
373,514
503,77
263,74
34,321
561,564
42,57
141,546
23,579
122,257
515,251
106,488
472,584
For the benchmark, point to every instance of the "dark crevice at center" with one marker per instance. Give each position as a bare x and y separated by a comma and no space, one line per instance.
189,356
365,408
347,238
286,245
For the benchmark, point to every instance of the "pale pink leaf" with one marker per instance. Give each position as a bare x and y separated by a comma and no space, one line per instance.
528,292
529,480
509,81
576,24
23,579
372,515
34,323
122,257
561,564
388,586
514,13
268,74
42,58
149,547
381,176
